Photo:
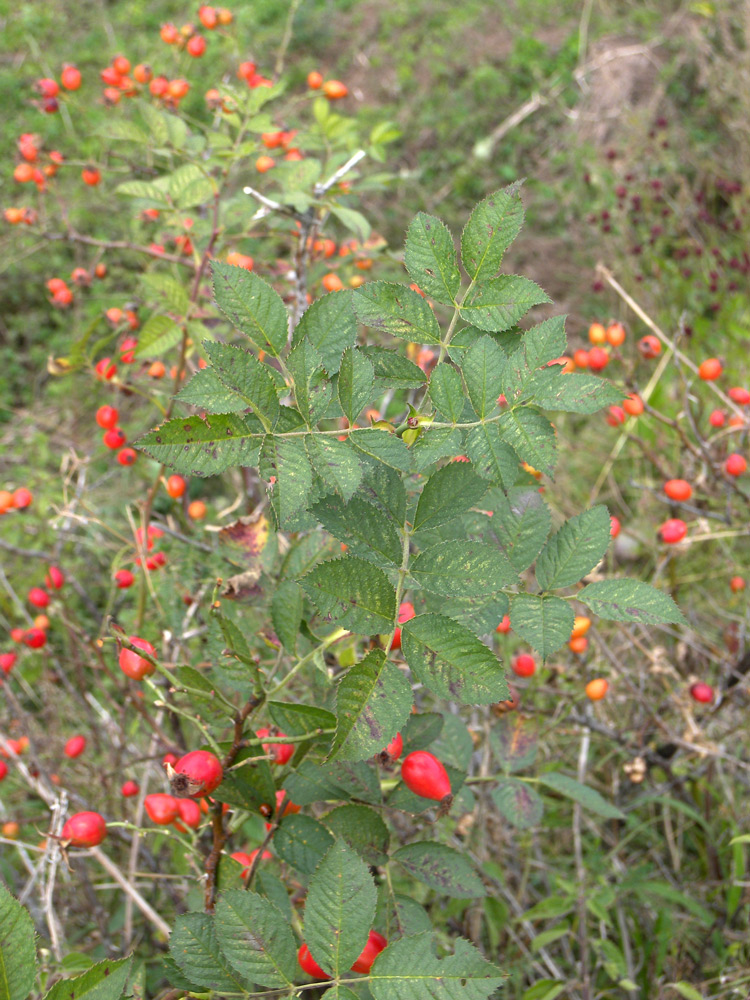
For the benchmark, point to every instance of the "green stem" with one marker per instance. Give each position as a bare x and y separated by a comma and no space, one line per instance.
328,641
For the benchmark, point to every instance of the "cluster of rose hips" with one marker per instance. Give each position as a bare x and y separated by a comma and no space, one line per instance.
18,499
36,636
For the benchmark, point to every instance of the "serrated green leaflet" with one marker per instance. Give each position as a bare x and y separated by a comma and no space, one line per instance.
194,948
382,446
241,372
544,622
392,370
492,458
356,378
158,334
189,186
255,938
206,391
353,593
252,306
312,389
447,493
521,521
362,829
330,325
373,700
575,549
301,841
492,227
539,345
336,781
631,601
433,444
483,367
383,487
588,797
442,868
409,968
197,447
336,463
286,459
103,981
430,258
462,568
518,803
170,289
574,392
17,949
396,310
500,302
339,910
364,528
447,392
451,661
150,192
286,613
531,436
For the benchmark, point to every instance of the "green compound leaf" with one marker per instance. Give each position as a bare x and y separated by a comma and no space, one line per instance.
256,939
373,701
499,303
447,493
518,803
330,325
242,373
430,258
396,310
355,382
409,968
103,981
575,549
449,659
544,622
363,830
197,447
483,368
631,601
433,444
531,436
583,794
252,306
447,392
17,949
353,593
301,841
336,463
442,868
492,227
194,947
340,909
462,568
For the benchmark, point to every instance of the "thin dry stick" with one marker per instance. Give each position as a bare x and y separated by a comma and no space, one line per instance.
52,859
148,911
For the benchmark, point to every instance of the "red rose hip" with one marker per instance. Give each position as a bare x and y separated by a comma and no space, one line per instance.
196,774
423,774
84,829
